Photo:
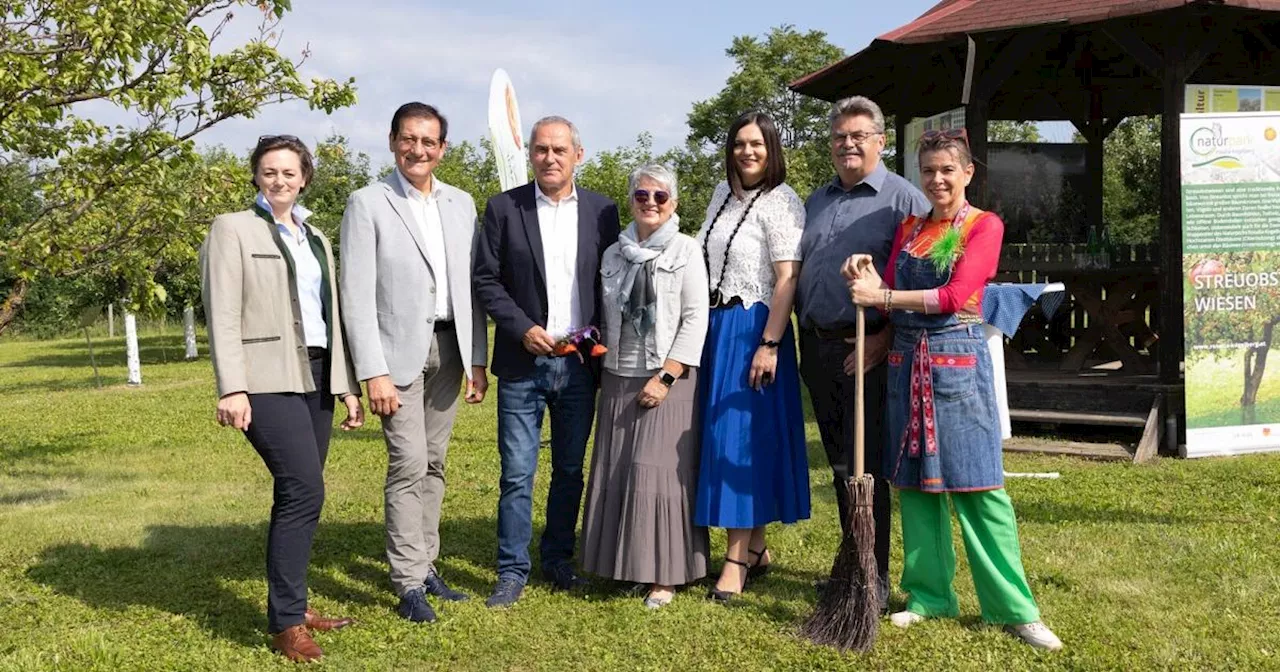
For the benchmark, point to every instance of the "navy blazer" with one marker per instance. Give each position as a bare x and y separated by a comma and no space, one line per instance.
510,271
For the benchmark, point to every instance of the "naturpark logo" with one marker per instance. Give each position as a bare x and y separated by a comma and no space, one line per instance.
1217,148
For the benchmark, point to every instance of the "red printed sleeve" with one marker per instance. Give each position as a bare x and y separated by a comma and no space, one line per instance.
975,266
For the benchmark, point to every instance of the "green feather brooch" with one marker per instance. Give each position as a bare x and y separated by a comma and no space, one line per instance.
946,250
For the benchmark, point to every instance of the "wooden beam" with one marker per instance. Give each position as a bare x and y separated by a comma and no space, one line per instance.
1111,124
900,141
1151,432
1007,59
1173,93
1266,42
1135,46
975,122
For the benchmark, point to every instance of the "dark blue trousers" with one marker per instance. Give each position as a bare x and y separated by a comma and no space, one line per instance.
291,433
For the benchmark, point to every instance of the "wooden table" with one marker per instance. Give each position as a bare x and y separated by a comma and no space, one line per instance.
1116,301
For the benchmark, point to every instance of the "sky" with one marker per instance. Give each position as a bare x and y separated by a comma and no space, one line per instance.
615,69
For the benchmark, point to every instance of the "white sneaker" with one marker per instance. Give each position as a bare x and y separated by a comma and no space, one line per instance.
1036,634
905,619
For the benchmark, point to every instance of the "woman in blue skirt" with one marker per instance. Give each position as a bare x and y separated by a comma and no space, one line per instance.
754,470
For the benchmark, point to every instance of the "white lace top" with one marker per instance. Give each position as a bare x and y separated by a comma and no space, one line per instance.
770,233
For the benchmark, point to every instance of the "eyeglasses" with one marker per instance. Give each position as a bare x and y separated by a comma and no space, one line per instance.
858,137
409,142
659,197
961,134
277,138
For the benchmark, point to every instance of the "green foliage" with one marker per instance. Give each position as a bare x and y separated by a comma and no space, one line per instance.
1131,181
112,198
1013,131
471,168
764,68
339,171
759,82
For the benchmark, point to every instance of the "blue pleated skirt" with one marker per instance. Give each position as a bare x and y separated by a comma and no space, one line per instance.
754,469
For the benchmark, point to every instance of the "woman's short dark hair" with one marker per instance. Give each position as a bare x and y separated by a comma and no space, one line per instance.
419,111
270,143
775,164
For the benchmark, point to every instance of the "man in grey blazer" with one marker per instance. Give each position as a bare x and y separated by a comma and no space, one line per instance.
415,331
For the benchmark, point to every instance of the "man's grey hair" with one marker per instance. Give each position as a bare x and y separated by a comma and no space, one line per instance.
858,106
553,119
656,172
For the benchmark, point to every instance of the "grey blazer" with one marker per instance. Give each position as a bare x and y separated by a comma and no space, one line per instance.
388,285
251,308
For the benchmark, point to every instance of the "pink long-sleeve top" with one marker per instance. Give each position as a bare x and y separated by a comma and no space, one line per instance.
982,234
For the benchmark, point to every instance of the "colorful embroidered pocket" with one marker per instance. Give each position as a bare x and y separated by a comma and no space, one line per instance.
954,375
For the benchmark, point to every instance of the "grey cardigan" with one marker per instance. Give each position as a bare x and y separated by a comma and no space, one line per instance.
680,325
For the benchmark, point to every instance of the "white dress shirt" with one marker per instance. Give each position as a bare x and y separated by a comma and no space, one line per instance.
558,224
426,210
307,276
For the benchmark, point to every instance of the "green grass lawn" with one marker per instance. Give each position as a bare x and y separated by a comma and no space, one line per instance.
132,532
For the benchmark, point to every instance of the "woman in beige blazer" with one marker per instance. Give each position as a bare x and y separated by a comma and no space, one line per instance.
271,303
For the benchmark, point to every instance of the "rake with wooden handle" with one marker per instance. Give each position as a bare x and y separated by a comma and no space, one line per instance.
848,612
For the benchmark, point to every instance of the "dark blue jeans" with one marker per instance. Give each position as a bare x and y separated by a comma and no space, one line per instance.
567,387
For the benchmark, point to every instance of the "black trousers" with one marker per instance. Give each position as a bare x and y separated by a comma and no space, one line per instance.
291,433
833,393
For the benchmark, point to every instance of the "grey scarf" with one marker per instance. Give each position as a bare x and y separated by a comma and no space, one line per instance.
641,302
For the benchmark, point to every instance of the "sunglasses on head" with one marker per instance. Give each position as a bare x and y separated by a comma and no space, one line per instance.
659,197
947,134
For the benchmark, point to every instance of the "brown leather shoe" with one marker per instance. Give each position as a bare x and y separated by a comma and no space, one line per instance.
321,624
295,643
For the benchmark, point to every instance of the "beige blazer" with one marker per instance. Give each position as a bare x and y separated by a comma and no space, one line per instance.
251,308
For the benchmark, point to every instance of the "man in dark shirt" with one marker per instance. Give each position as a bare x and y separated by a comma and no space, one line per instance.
857,212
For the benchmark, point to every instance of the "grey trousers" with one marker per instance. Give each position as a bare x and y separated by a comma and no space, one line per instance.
417,438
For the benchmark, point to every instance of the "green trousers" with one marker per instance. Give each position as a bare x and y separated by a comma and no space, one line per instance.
990,541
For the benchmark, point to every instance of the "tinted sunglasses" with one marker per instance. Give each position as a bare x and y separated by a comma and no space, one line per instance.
948,134
659,197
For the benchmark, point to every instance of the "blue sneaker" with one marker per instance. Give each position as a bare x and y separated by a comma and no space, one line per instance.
505,593
434,585
414,607
563,577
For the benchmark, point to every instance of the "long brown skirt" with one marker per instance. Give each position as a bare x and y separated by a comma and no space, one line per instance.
638,524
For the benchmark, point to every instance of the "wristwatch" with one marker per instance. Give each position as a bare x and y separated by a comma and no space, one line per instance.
766,343
666,378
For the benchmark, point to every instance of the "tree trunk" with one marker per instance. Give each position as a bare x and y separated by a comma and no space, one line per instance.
13,304
1255,364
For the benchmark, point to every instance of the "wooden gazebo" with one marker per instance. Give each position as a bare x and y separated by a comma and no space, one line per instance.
1092,63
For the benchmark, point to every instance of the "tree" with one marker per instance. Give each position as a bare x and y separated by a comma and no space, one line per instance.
764,69
1013,131
102,189
760,81
339,171
1131,181
471,168
1255,327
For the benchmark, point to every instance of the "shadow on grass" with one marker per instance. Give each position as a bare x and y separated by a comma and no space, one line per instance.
152,350
47,448
186,570
1053,512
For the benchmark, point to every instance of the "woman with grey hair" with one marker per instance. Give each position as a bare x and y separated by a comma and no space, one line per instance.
638,525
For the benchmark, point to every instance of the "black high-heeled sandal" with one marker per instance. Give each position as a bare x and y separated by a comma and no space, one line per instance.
724,596
757,570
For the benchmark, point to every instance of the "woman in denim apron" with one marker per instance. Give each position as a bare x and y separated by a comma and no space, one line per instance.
944,433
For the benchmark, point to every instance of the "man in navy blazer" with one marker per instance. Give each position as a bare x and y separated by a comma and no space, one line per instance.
537,274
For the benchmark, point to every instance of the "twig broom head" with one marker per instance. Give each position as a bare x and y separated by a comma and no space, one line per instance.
848,613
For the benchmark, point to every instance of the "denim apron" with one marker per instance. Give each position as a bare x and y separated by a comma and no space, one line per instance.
944,429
